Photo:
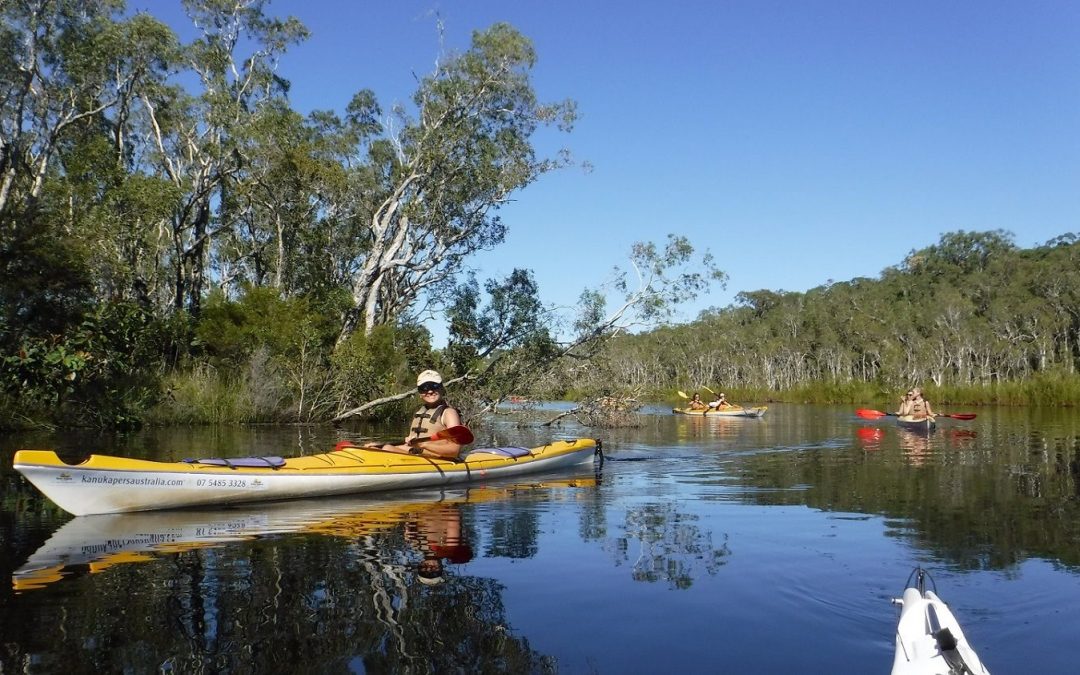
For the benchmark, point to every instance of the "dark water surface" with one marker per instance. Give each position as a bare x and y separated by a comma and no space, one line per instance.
703,545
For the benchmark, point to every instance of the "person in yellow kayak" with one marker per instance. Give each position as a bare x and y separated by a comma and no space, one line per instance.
433,416
720,403
696,403
914,405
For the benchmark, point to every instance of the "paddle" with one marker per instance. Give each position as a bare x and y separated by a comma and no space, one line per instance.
876,414
459,434
683,394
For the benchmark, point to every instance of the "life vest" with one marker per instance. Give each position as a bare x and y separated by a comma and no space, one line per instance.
918,407
426,421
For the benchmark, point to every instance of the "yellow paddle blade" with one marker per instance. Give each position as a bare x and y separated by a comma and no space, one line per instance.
708,390
682,393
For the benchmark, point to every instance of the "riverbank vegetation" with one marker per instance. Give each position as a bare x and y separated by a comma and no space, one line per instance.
178,244
973,319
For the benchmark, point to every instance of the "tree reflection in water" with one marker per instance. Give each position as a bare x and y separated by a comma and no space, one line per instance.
328,585
662,544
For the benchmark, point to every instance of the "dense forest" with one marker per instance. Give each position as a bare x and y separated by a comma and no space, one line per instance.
179,244
972,317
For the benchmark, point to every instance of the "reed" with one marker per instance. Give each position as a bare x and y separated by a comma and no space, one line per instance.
203,396
1048,389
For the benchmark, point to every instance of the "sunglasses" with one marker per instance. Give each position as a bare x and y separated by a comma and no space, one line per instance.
428,387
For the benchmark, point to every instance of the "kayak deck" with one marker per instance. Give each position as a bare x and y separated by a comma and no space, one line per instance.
928,636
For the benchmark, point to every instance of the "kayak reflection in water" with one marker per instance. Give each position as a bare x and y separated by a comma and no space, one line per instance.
437,534
915,447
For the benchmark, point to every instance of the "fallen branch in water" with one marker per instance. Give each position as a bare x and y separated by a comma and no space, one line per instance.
606,412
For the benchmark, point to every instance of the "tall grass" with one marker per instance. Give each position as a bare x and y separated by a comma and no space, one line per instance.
204,396
1048,389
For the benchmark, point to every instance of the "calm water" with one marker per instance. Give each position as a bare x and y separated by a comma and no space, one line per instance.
703,545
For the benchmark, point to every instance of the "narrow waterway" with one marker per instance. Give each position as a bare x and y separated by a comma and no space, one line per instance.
701,545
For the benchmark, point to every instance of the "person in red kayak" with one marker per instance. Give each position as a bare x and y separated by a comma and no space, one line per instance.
914,405
435,415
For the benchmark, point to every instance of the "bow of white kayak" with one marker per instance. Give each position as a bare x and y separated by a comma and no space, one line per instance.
929,640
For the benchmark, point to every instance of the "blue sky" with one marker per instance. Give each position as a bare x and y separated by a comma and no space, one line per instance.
799,141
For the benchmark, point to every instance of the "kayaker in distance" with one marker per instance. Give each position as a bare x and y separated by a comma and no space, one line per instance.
720,402
914,405
696,403
433,416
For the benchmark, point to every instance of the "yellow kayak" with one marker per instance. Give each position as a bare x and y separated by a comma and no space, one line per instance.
733,411
106,484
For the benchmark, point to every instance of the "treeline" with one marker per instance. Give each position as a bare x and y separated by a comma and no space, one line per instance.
973,318
179,244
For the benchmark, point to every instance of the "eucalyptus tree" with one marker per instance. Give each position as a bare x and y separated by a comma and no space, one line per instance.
284,234
51,80
201,139
446,169
70,75
504,337
1057,283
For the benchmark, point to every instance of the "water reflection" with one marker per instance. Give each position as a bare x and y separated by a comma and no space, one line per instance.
870,437
437,534
915,445
664,544
431,519
750,515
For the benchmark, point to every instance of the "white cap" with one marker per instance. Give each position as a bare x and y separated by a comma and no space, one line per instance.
428,376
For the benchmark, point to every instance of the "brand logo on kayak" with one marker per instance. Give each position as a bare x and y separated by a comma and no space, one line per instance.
64,477
256,483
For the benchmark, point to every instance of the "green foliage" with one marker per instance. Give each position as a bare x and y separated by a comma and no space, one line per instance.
102,372
230,331
366,367
499,336
45,281
203,395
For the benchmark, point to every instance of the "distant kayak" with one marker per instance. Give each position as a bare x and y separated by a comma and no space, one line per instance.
925,424
734,411
929,640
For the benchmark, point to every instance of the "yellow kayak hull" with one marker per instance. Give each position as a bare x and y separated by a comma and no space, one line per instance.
107,484
734,411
